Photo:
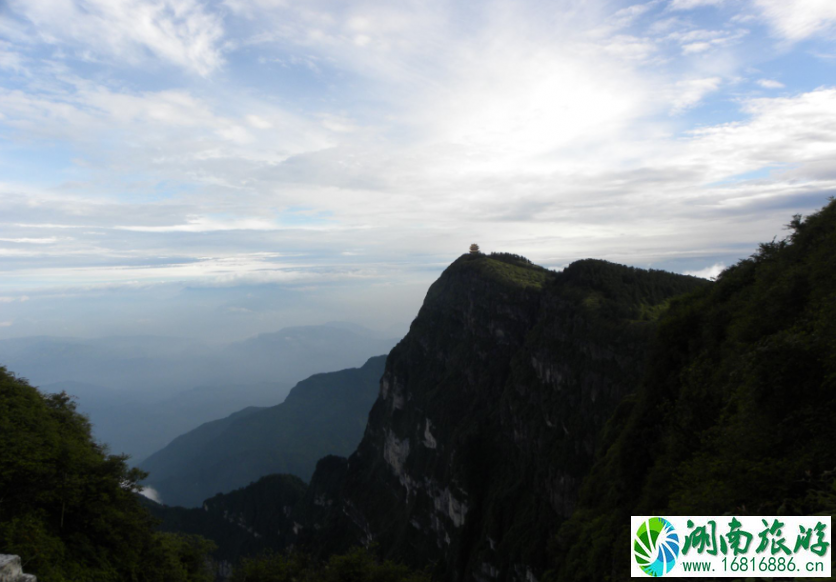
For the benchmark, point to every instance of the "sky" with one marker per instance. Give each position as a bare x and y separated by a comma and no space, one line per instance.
221,168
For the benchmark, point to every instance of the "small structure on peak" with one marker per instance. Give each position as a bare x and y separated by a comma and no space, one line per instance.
474,249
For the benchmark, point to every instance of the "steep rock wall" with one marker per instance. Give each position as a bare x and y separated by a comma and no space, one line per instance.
489,414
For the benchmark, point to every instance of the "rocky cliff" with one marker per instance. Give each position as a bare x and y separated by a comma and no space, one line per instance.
489,415
11,571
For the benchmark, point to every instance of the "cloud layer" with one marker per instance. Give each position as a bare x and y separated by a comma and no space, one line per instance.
341,147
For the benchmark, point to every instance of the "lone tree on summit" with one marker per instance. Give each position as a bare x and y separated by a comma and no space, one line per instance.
474,248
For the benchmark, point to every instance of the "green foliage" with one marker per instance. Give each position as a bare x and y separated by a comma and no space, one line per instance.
261,508
735,412
505,268
512,259
358,565
618,292
69,509
181,558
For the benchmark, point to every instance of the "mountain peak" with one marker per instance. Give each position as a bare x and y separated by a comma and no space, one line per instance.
505,268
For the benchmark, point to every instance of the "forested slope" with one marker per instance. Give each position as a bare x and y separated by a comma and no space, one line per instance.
735,413
69,509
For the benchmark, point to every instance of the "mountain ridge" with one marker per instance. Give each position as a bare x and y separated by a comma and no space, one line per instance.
323,414
505,360
171,385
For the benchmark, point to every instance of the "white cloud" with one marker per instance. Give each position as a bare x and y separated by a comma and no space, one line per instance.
689,93
631,48
652,195
541,131
37,241
782,131
170,132
628,16
701,40
6,323
10,59
151,494
708,272
770,84
205,224
796,20
21,299
258,122
692,4
180,32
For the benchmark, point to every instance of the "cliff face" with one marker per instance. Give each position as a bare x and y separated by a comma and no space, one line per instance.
489,413
11,571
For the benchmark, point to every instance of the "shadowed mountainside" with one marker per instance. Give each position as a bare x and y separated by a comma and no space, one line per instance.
324,414
735,413
489,413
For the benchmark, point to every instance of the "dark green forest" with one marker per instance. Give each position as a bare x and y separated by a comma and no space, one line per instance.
72,512
357,565
69,509
735,412
261,505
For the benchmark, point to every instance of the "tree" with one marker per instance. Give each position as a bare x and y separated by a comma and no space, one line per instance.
70,509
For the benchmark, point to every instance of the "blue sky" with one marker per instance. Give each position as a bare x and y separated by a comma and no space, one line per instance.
223,168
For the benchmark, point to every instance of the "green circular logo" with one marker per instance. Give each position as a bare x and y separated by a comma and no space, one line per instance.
656,546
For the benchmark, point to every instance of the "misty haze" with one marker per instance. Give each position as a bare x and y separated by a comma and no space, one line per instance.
141,392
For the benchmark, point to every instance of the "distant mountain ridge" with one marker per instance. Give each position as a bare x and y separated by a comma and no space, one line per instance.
141,392
324,414
154,367
126,424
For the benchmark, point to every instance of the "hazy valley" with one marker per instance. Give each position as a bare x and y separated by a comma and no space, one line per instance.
142,392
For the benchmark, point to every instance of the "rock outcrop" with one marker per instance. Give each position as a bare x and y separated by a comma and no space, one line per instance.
11,570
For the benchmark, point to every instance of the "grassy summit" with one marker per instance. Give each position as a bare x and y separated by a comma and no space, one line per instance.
504,268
